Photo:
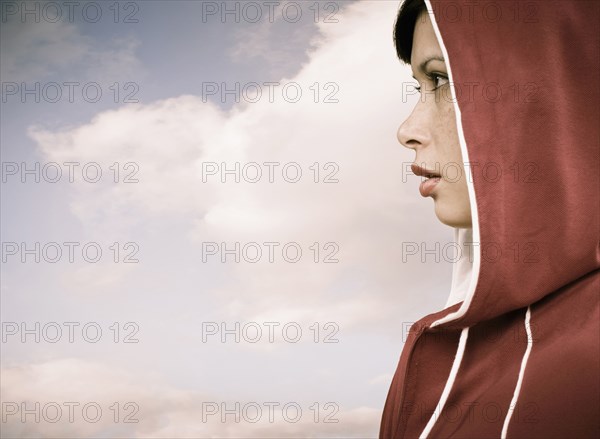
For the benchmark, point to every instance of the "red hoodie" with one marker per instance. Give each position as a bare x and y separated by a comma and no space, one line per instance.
516,354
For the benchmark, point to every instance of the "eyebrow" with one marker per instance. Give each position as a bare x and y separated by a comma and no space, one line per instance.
423,65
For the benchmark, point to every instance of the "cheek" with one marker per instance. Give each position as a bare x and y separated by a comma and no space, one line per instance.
449,146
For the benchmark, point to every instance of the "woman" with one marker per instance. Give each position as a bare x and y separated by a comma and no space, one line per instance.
509,97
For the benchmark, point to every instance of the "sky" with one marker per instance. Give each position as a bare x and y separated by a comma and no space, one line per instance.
208,228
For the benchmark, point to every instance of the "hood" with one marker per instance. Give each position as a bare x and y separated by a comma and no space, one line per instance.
525,86
526,94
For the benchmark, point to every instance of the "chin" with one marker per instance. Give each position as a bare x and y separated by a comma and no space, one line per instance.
450,216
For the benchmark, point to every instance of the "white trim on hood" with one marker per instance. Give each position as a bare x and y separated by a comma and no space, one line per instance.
462,269
465,271
461,288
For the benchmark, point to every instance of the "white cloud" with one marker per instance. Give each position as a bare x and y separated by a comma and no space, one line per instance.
102,397
368,213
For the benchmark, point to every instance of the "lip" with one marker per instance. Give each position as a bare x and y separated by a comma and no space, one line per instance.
423,172
426,187
432,179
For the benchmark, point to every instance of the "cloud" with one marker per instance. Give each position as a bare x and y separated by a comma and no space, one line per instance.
366,215
278,40
69,380
45,51
34,50
362,220
75,398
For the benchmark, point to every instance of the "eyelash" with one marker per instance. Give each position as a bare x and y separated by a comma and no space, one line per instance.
433,77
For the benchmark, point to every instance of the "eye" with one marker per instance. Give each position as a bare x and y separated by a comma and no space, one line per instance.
438,80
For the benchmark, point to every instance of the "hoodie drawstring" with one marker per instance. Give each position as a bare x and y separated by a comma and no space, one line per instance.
462,343
513,402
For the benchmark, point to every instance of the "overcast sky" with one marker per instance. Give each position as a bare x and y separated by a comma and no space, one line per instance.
146,93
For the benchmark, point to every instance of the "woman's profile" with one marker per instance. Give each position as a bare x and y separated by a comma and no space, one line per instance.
509,96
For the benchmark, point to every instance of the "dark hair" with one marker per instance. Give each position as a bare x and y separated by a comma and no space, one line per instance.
405,27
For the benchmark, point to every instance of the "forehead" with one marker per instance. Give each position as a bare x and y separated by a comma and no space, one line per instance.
425,43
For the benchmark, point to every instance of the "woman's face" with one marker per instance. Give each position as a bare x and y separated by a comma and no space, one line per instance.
431,131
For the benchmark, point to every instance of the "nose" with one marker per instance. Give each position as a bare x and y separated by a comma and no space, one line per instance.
413,132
